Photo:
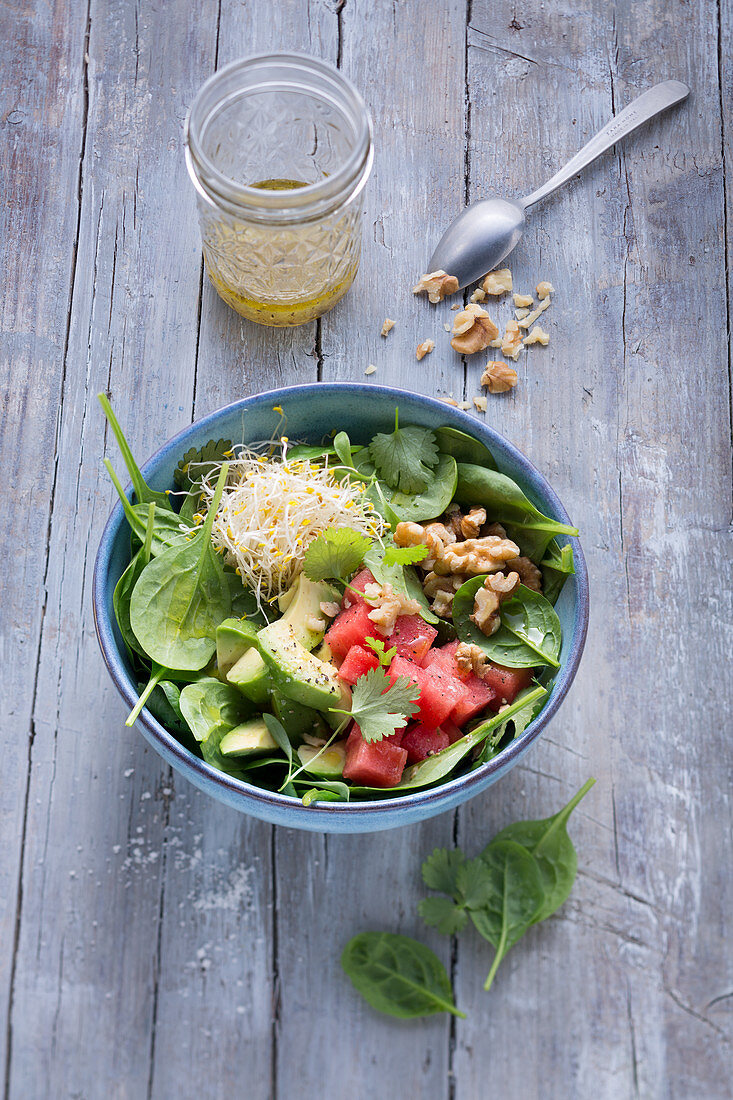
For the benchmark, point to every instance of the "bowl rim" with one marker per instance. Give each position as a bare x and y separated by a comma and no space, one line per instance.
472,782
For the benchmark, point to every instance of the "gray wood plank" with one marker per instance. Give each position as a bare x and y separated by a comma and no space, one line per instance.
612,995
43,134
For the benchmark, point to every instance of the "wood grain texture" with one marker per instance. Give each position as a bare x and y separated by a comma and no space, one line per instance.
155,944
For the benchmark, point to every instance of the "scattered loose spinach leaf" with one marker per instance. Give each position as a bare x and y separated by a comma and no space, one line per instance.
405,458
143,492
397,975
553,850
181,597
530,633
199,462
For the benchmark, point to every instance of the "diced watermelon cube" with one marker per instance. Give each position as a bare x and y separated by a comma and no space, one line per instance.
439,692
507,683
454,733
355,735
349,628
420,741
477,694
374,763
360,581
356,663
412,637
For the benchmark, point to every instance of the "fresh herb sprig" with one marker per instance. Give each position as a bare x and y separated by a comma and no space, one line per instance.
405,458
385,655
380,707
335,555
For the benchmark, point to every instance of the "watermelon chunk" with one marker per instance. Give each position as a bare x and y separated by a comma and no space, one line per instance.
360,581
356,663
477,694
420,741
374,763
412,637
439,692
355,735
507,683
349,628
454,733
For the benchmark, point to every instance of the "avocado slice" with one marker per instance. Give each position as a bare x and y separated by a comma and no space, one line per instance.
251,738
344,703
234,637
294,717
330,763
295,671
250,673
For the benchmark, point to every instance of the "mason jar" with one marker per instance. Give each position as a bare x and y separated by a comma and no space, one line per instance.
279,149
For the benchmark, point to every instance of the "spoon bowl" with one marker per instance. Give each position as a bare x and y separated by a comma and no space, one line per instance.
479,239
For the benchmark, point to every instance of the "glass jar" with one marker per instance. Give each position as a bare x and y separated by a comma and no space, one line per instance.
279,148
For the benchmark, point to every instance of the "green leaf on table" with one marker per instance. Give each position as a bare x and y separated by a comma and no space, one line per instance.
199,462
530,633
405,457
385,655
553,851
181,597
398,975
380,707
404,555
443,914
465,881
335,555
440,870
145,495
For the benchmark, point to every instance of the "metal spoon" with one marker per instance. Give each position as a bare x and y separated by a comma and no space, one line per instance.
486,232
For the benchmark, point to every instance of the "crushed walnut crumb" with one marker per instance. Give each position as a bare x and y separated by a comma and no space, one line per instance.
471,658
437,285
370,369
544,290
481,403
529,574
330,608
473,329
511,345
520,314
388,605
499,377
478,295
314,623
498,282
530,320
424,349
523,300
446,326
457,306
537,336
387,327
465,405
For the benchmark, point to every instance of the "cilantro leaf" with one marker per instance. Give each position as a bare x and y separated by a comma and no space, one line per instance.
380,707
440,870
335,554
404,555
385,655
197,463
443,914
405,458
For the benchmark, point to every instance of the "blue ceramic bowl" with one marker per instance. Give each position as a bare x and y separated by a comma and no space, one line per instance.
312,411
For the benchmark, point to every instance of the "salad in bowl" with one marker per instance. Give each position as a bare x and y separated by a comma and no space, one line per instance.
332,623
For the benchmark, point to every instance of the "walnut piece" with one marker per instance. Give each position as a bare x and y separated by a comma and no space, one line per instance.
530,319
480,403
529,574
330,608
441,590
473,522
471,658
488,600
473,330
511,345
537,336
436,536
387,326
485,555
312,622
424,349
388,606
478,295
544,290
437,285
523,300
498,282
520,314
499,377
371,369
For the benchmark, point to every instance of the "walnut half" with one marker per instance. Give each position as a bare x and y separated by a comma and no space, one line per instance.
499,377
437,285
488,600
473,330
486,555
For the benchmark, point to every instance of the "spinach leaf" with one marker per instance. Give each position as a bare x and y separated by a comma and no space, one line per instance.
342,447
213,755
341,791
337,792
281,739
164,703
198,463
244,604
518,723
168,530
430,502
553,851
463,447
514,898
143,492
403,578
504,501
123,589
557,565
309,452
530,633
208,704
181,597
397,975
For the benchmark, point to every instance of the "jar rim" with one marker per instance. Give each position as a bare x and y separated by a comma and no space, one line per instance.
303,202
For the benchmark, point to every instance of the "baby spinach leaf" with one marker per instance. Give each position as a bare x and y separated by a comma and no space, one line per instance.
425,504
503,500
517,723
281,739
553,851
557,565
208,704
164,703
168,530
143,492
123,589
514,898
463,447
530,633
342,791
213,755
398,975
404,458
181,597
244,603
199,462
342,447
338,792
310,452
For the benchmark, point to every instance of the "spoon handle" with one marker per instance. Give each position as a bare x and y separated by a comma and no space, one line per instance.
640,110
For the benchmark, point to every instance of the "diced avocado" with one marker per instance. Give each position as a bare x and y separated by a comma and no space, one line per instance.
294,717
249,673
234,637
330,763
324,652
250,738
295,671
344,703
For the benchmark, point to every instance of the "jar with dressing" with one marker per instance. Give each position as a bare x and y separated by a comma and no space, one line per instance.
279,148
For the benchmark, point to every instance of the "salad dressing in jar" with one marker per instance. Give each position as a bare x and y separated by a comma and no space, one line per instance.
279,150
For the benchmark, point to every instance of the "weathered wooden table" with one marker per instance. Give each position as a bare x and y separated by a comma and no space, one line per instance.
155,943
